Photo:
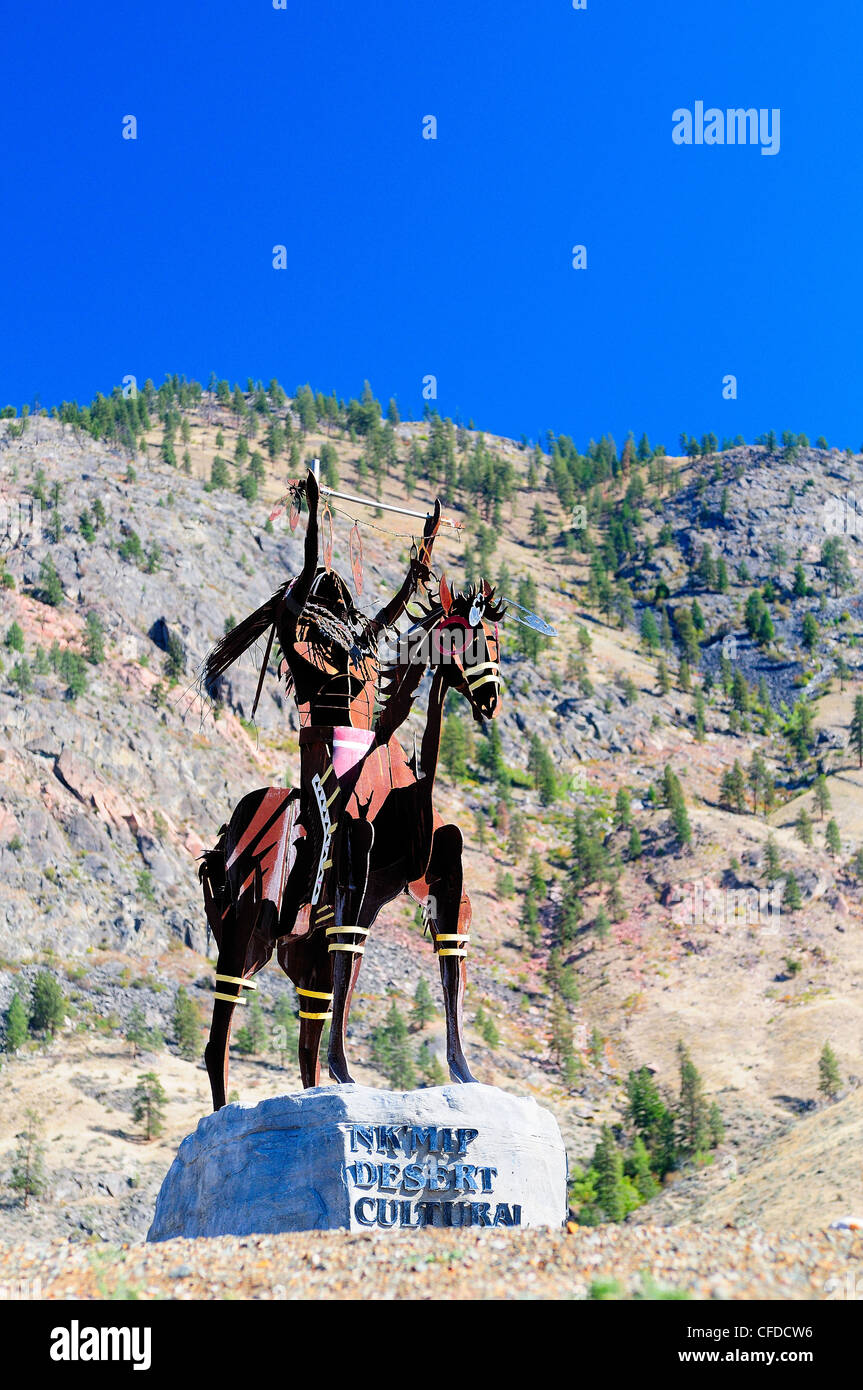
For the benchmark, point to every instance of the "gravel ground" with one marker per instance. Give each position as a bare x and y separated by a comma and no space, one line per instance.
643,1262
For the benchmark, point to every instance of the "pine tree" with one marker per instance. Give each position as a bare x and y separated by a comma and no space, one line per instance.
429,1066
623,809
17,1030
829,1079
148,1099
517,839
811,632
285,1033
791,896
94,638
649,631
663,679
52,589
561,1032
601,923
530,919
803,826
454,746
833,838
855,740
48,1008
692,1112
635,848
252,1037
541,766
391,1050
640,1170
608,1162
700,731
187,1026
489,1032
822,795
715,1124
651,1117
136,1030
771,860
28,1167
423,1010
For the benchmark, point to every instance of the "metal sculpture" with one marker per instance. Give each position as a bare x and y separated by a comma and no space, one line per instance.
306,871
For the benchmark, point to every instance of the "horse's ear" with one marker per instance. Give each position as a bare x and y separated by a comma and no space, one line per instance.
445,594
487,590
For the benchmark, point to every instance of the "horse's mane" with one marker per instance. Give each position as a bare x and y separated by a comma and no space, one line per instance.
400,679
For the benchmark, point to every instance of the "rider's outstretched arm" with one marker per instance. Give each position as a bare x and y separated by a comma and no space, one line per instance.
296,597
420,571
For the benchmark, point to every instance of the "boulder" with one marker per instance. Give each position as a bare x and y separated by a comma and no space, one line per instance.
355,1158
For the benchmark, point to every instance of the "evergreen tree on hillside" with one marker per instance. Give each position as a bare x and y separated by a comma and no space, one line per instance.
652,1118
693,1110
390,1050
803,826
833,839
829,1079
17,1030
28,1167
822,795
791,897
48,1008
542,769
772,866
855,730
610,1189
148,1100
649,631
187,1025
423,1010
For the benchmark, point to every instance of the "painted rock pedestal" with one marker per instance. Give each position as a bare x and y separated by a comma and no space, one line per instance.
355,1158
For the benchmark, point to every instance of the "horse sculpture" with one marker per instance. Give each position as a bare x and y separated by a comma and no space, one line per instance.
308,870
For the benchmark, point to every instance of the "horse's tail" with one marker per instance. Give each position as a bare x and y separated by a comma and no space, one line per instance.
214,884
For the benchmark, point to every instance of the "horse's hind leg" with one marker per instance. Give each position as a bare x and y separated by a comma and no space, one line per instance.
228,969
233,967
449,915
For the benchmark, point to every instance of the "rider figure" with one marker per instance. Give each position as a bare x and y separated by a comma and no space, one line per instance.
330,649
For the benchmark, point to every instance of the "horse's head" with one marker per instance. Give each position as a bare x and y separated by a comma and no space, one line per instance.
465,645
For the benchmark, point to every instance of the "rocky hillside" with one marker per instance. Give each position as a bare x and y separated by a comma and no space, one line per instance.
116,771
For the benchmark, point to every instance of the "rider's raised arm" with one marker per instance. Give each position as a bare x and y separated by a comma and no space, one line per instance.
420,571
296,597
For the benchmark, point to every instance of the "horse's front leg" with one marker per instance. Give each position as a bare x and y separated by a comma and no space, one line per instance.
347,936
449,915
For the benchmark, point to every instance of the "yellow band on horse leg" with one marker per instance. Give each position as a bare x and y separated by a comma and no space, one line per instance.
455,952
314,993
338,946
303,1014
229,998
235,980
452,936
355,931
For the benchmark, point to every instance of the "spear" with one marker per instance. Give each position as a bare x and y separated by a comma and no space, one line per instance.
368,502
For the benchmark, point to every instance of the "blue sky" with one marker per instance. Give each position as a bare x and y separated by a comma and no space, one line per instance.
451,257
